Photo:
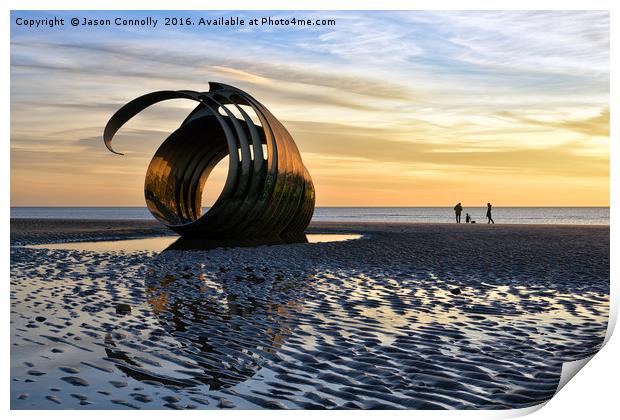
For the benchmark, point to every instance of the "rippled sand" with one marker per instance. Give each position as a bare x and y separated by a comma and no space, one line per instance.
409,316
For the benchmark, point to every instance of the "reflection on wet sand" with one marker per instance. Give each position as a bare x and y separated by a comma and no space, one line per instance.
226,333
235,312
396,321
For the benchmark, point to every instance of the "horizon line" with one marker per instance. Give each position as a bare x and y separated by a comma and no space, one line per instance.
343,206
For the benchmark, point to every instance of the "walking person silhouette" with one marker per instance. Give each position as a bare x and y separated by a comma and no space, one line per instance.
458,209
489,207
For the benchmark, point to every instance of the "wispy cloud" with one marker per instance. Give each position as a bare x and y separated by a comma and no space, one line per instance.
597,126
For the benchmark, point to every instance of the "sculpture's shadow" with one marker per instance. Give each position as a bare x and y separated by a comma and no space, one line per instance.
224,318
205,244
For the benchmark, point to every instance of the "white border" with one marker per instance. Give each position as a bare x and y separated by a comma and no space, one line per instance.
591,395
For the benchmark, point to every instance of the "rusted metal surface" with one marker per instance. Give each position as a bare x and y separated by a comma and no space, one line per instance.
268,195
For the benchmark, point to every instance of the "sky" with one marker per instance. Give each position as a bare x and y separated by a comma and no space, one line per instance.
387,108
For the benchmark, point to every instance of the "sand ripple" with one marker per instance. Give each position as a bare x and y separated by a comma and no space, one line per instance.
363,324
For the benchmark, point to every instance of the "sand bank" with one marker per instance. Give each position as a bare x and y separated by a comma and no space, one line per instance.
409,316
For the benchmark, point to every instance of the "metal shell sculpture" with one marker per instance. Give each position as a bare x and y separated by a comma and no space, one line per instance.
268,195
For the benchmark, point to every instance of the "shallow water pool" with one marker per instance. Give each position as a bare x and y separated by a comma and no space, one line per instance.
161,243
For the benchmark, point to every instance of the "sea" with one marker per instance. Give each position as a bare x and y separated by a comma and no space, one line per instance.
504,215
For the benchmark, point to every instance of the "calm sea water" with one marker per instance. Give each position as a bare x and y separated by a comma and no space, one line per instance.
519,215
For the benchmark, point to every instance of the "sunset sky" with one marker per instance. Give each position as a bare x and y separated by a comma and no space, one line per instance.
387,108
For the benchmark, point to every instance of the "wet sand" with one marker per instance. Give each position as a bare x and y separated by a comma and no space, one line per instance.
415,316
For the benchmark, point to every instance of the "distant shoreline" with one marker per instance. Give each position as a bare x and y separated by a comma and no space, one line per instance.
332,207
37,231
501,215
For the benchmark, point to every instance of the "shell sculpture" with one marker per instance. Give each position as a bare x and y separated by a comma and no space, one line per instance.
268,190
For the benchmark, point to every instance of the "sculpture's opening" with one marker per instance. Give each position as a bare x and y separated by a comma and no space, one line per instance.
214,184
179,171
193,168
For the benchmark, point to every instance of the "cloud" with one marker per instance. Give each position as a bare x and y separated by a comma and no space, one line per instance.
179,63
239,75
552,42
593,126
465,100
376,147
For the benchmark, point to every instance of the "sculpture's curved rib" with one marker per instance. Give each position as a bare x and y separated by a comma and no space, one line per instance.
264,196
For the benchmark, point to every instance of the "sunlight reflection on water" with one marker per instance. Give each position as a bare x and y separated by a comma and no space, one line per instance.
160,243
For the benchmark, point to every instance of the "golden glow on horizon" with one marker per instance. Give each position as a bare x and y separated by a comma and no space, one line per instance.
353,165
537,177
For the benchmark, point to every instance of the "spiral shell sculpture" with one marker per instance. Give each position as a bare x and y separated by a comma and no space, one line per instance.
265,195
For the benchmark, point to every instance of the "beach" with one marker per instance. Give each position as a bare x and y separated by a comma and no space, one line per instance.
409,316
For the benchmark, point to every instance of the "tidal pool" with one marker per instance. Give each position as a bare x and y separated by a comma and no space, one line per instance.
161,243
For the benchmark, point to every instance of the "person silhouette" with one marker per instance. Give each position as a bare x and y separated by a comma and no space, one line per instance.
458,209
467,218
489,207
